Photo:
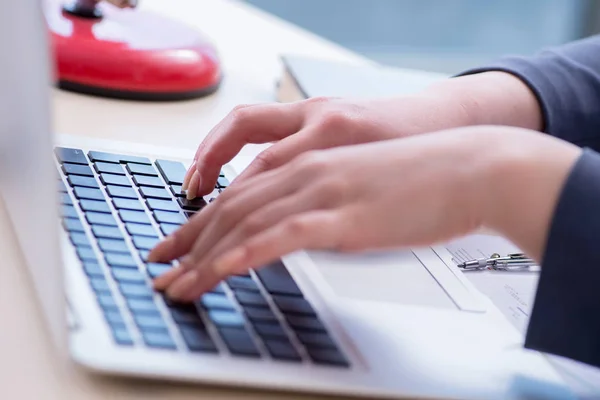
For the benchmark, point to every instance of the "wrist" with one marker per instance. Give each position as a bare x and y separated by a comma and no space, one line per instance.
488,98
522,182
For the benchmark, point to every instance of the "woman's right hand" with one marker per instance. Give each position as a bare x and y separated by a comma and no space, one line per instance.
321,123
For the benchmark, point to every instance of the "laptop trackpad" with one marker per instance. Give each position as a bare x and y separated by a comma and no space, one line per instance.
397,277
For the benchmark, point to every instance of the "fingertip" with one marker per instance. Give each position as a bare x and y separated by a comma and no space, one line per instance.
192,190
161,251
161,282
188,175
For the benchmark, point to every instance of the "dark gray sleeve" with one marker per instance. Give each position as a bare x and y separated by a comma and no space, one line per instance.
566,315
566,81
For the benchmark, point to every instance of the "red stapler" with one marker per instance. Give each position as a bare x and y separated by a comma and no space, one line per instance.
113,49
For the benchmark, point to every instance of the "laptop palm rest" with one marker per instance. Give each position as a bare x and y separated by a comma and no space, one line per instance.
418,278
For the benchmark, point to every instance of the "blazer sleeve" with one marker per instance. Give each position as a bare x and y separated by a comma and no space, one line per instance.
565,320
566,82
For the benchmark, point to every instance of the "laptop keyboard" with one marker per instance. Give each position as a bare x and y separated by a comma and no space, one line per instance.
116,208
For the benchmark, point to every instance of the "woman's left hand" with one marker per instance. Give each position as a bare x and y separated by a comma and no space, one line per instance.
398,193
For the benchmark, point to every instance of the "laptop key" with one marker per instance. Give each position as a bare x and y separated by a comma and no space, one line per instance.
120,260
118,180
327,356
144,180
169,217
88,193
226,318
102,167
150,323
128,275
137,217
95,218
144,243
79,239
198,340
121,191
177,191
299,323
92,268
114,318
182,317
107,302
282,350
128,204
122,337
242,282
269,330
216,301
157,269
70,155
142,306
167,229
117,158
251,299
133,291
144,255
164,205
108,232
113,246
141,230
139,169
195,204
222,182
315,339
94,205
86,254
99,285
160,340
155,193
294,305
239,342
173,172
67,211
255,314
73,225
83,181
277,280
189,214
76,169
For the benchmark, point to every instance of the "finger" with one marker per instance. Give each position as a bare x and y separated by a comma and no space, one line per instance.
163,281
263,218
255,124
282,152
240,202
181,241
188,176
321,229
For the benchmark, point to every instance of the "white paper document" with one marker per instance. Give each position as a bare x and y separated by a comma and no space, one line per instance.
514,293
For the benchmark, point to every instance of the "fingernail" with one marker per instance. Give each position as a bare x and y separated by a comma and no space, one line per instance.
229,261
188,176
182,285
160,248
193,187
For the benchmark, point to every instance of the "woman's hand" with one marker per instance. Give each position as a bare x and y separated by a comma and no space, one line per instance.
487,98
408,192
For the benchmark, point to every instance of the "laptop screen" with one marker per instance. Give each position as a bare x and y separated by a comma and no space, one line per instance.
27,173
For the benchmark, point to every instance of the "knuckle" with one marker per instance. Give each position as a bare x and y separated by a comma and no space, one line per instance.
252,224
317,100
313,162
265,160
240,113
334,119
297,227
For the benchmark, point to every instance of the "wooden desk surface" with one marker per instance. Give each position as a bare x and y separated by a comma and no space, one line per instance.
249,42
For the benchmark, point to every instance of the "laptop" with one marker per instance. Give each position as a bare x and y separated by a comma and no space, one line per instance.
387,324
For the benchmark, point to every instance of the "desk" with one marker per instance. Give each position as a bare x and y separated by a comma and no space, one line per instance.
249,42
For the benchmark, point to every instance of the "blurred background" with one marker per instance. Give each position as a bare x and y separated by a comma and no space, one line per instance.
441,35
